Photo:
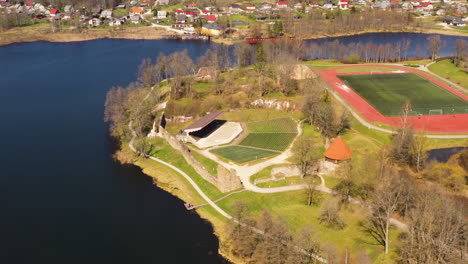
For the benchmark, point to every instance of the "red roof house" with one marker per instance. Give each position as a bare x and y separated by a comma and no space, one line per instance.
54,12
211,18
338,150
28,3
282,4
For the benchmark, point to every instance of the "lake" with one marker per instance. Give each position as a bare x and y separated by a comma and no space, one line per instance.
63,199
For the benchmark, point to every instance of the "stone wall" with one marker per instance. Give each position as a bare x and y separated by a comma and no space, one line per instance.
226,181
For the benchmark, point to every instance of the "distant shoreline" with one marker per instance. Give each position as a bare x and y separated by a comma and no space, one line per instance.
24,35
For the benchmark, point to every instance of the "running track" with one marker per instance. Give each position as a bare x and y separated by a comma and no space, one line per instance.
456,123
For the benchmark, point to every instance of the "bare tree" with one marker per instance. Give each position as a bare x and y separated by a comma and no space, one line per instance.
437,230
434,44
330,215
384,203
313,196
305,157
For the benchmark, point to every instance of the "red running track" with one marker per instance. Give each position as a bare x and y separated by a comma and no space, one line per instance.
457,123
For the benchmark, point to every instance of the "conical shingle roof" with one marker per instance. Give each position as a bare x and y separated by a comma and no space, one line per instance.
338,150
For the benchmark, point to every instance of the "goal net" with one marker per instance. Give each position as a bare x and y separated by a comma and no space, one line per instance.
436,112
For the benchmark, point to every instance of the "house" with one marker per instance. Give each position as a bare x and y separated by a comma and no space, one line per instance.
338,151
211,30
250,7
69,9
122,6
28,3
3,4
163,2
179,11
95,22
211,18
144,3
313,5
162,14
96,11
458,22
67,15
343,4
135,19
191,6
116,23
205,12
267,6
40,8
181,25
297,6
329,5
106,14
181,19
440,12
282,5
191,14
235,9
136,11
407,6
54,13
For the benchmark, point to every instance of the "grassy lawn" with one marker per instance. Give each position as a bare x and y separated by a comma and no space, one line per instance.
165,152
285,182
270,141
291,207
388,92
364,69
286,125
448,70
242,154
416,62
209,164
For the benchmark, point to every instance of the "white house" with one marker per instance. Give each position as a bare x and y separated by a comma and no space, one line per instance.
95,22
162,14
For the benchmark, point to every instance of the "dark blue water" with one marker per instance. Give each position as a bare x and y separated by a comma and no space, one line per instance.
62,197
443,155
417,39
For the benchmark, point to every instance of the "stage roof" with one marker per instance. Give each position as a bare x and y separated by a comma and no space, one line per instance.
203,122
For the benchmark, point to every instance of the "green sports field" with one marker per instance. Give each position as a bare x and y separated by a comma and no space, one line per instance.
285,125
270,141
388,92
242,154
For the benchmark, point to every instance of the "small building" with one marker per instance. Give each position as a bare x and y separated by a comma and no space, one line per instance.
235,9
191,6
162,14
122,6
343,4
211,18
205,12
106,14
135,19
282,5
250,7
96,11
136,11
69,9
181,25
181,19
298,6
95,22
54,13
211,30
28,3
338,151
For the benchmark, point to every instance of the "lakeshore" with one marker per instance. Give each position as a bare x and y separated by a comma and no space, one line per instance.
175,184
42,33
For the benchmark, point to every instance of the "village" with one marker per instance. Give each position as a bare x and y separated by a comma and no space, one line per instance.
235,20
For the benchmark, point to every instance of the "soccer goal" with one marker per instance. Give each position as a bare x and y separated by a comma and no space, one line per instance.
436,112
